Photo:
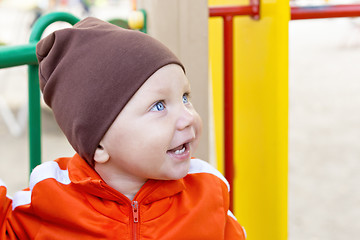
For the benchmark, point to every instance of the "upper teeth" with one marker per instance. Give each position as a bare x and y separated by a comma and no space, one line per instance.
180,151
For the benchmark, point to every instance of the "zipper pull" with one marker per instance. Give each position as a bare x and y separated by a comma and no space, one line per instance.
135,210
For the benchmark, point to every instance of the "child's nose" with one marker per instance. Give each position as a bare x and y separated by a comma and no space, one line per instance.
185,119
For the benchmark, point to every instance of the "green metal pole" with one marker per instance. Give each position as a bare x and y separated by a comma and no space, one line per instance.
34,90
144,29
34,117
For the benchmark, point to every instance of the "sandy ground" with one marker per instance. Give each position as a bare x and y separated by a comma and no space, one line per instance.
324,133
324,153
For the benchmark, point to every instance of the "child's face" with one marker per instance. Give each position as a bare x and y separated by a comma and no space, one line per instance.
156,133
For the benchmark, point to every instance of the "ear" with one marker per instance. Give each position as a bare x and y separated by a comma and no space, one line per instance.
101,155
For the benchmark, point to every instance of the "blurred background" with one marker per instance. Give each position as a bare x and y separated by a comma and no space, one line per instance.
324,113
324,129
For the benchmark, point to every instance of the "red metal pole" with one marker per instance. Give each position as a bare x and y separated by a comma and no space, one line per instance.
327,11
228,103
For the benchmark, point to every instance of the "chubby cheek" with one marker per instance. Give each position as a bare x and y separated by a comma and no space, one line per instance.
151,144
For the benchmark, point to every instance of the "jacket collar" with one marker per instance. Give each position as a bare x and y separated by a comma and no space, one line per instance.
88,180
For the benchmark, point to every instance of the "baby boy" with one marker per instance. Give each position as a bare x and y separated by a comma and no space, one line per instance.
123,101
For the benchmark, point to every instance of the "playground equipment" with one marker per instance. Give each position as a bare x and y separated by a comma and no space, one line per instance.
260,103
328,11
25,55
251,92
137,20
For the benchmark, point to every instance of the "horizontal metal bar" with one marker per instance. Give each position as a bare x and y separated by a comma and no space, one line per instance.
326,11
232,11
11,56
252,10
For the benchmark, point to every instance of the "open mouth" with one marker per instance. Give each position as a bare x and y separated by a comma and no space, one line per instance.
181,149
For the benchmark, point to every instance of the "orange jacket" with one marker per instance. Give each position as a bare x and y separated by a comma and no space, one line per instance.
67,199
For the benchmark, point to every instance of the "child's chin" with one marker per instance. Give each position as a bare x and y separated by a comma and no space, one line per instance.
176,176
180,175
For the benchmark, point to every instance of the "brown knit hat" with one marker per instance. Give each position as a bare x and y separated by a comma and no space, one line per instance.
89,72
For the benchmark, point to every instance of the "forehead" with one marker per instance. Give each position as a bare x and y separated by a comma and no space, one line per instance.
167,79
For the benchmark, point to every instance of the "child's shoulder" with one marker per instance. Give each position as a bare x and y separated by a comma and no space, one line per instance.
198,166
56,169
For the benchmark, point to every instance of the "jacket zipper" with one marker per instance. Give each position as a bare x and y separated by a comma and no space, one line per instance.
135,212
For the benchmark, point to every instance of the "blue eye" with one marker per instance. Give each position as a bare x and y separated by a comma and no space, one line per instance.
159,106
185,98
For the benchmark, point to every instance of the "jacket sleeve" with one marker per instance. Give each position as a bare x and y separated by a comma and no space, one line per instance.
18,223
5,213
233,229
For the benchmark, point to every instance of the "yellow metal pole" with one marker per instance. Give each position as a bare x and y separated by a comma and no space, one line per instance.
216,70
260,116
